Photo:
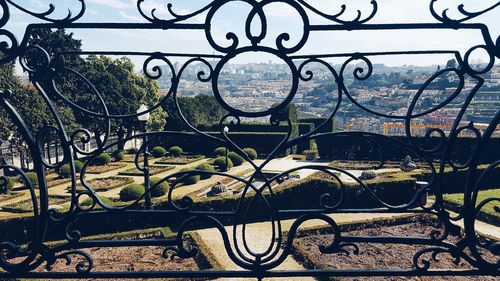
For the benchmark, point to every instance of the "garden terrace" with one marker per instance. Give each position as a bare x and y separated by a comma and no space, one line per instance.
249,139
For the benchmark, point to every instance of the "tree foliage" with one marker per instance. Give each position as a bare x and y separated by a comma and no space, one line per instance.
201,109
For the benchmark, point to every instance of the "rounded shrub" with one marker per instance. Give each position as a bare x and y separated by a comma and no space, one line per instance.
205,167
189,179
158,151
132,150
175,151
252,153
105,200
158,190
103,159
131,192
78,165
119,155
220,151
236,158
65,171
33,177
221,162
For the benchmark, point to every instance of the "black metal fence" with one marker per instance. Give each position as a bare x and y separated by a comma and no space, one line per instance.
24,258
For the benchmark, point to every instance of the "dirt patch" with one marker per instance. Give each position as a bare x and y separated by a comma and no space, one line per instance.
134,259
153,170
179,160
104,184
380,256
103,168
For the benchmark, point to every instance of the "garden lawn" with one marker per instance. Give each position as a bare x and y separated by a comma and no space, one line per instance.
489,212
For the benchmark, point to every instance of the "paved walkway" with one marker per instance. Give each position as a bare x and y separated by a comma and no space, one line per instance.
259,234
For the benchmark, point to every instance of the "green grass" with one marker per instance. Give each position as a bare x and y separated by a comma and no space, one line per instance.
488,212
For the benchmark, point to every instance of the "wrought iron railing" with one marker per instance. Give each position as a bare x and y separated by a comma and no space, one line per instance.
23,259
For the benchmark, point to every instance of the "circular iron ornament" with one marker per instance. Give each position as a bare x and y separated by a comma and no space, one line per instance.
237,112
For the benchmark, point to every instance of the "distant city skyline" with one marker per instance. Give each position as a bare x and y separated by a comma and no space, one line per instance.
281,19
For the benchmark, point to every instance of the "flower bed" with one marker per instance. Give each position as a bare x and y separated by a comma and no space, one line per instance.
179,160
382,256
26,206
143,258
57,182
104,168
153,170
104,184
131,158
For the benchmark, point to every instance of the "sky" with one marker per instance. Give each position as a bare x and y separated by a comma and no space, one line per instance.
281,18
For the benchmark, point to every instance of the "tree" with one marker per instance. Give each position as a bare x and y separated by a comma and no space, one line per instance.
201,109
452,63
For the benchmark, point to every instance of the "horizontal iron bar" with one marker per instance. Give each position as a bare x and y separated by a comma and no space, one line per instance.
429,52
194,26
130,53
246,274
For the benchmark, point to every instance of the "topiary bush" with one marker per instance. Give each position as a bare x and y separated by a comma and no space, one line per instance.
65,171
78,165
119,155
131,192
158,190
220,151
158,152
33,177
205,167
103,159
252,153
236,158
190,179
105,200
221,163
175,151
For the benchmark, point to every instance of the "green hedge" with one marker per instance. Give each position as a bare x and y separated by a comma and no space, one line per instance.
131,192
103,159
252,153
221,163
236,158
338,147
158,152
307,193
189,179
455,181
65,171
175,151
160,189
205,167
220,151
263,142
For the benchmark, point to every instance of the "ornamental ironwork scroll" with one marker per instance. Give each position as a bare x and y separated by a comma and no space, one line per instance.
23,259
